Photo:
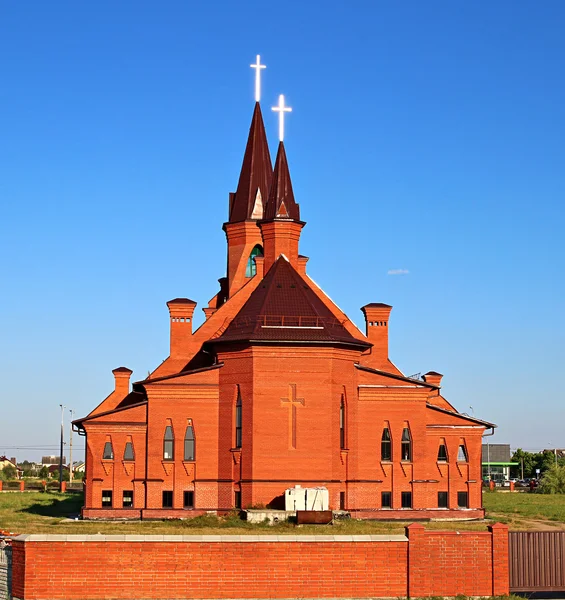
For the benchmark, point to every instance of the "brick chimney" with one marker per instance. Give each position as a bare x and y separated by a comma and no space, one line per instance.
433,377
121,378
376,326
181,311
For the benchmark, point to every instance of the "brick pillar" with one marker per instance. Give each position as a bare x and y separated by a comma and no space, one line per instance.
417,561
18,568
500,569
22,486
491,485
63,487
0,486
511,486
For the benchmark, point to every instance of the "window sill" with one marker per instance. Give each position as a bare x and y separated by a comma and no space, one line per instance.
386,462
406,462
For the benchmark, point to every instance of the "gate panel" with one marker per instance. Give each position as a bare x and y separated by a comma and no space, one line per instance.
537,561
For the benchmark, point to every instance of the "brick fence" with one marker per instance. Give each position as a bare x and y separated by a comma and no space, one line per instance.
422,563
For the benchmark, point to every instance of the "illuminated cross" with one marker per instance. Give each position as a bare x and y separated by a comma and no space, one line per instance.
292,402
258,66
281,109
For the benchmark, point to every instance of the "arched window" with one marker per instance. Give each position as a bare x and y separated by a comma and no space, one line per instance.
168,444
442,451
238,420
342,422
386,445
128,451
406,445
108,451
189,443
251,269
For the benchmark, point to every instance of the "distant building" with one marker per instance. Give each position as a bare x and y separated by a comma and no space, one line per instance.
496,462
10,462
47,461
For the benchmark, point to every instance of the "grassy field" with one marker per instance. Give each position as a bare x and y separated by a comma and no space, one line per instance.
37,512
520,509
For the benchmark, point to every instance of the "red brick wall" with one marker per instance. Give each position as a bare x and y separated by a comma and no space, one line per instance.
447,563
429,563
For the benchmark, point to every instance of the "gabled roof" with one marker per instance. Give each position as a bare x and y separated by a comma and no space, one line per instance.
461,416
256,171
284,308
281,203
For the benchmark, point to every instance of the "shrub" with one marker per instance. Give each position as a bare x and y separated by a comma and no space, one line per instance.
553,481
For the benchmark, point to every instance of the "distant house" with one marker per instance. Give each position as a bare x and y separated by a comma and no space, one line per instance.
10,462
47,461
496,462
79,467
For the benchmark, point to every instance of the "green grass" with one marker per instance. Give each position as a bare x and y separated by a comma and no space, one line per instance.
38,512
519,506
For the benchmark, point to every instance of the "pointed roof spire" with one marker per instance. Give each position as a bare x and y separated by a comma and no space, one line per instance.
281,203
256,173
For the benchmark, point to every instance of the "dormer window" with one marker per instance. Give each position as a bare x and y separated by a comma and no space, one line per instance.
251,269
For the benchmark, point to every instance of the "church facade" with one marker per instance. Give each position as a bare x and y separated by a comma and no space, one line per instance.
277,388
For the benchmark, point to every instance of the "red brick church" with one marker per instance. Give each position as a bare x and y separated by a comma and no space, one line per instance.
277,388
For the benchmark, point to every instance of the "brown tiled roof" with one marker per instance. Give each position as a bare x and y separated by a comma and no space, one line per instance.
256,171
284,308
281,203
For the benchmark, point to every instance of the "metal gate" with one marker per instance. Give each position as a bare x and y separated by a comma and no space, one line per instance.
537,561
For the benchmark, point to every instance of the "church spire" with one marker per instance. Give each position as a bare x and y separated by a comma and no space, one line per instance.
281,203
256,174
256,171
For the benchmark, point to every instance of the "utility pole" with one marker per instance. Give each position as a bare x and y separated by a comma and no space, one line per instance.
61,448
71,448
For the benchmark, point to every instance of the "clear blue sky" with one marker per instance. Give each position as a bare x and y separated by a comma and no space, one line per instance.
425,136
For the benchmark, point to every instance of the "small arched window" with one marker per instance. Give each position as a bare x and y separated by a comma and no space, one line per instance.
406,445
168,444
189,443
342,423
128,451
108,451
386,445
238,420
251,269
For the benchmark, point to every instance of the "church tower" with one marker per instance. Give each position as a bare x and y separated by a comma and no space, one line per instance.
247,204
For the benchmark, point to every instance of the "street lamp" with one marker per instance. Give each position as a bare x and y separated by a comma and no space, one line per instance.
61,448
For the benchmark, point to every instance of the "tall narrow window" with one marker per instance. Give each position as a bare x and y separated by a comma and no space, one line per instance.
386,445
128,451
406,445
127,498
189,443
106,498
442,452
168,444
342,423
108,451
238,420
251,269
462,453
442,501
386,499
